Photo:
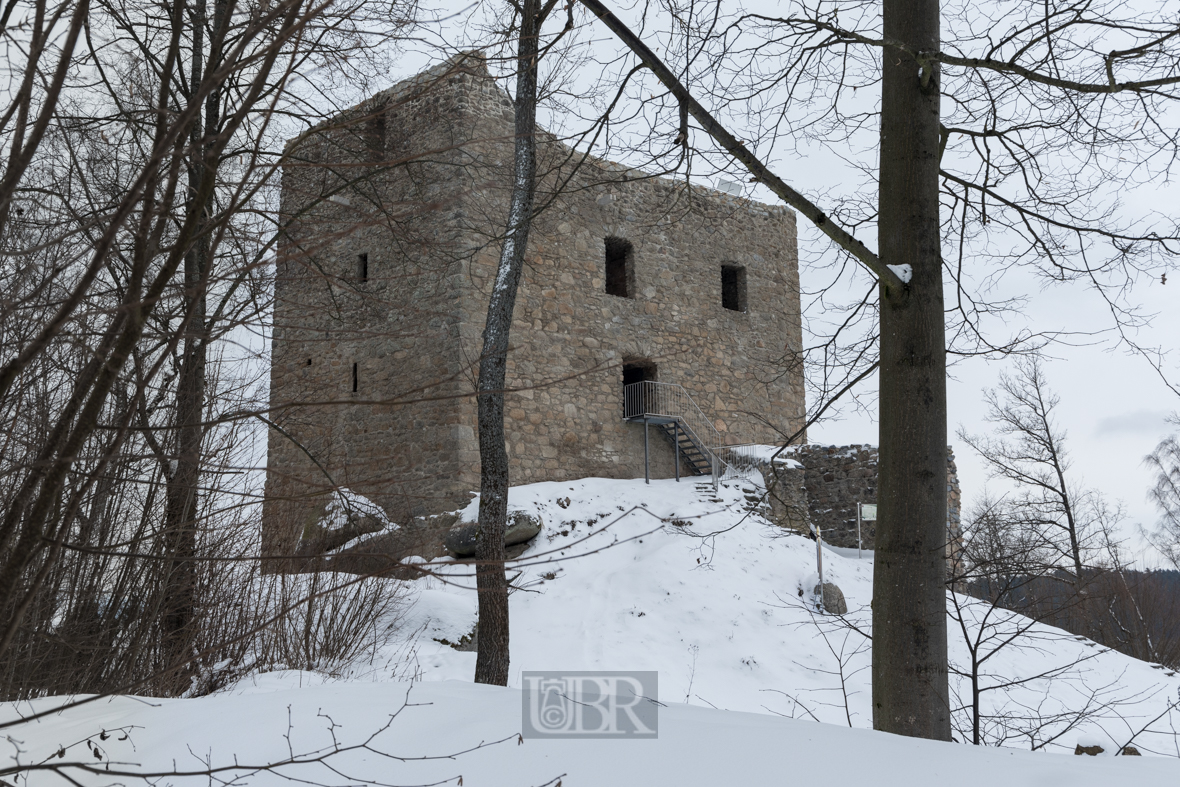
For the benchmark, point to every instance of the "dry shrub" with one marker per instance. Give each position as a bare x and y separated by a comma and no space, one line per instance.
328,621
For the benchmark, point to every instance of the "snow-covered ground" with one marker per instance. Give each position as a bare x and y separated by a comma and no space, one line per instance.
718,602
696,746
666,577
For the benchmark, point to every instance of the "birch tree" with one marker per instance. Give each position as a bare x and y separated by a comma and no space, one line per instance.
492,659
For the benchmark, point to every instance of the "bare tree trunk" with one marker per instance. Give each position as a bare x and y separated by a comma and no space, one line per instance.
491,665
180,511
910,691
182,495
1067,507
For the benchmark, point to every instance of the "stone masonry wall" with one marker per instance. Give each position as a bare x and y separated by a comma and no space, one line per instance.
395,439
417,179
786,495
836,478
570,337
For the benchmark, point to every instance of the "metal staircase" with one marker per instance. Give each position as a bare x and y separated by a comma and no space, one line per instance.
696,456
697,442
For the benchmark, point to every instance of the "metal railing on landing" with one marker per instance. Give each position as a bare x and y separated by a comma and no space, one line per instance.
669,401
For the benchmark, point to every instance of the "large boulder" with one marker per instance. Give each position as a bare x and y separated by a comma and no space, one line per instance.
385,553
831,599
463,539
346,516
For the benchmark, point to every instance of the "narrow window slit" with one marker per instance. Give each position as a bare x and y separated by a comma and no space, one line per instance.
362,266
354,378
375,133
620,268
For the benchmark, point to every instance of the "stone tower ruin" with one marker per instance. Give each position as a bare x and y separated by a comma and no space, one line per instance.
392,215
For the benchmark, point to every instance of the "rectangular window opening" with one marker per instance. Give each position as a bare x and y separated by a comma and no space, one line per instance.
355,381
362,267
620,268
733,287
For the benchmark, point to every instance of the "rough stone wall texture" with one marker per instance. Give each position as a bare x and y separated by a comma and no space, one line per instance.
418,179
786,493
400,327
836,478
954,526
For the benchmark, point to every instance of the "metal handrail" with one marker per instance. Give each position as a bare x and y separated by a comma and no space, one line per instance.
740,459
652,399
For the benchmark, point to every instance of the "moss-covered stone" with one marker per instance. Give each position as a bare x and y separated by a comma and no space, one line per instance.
463,539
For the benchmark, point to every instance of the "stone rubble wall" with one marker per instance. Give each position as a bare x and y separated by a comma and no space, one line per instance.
829,481
786,492
570,338
837,478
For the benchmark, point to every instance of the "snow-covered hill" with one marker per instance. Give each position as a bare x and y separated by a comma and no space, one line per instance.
676,578
667,577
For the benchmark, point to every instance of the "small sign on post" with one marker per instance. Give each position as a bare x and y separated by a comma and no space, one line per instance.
866,512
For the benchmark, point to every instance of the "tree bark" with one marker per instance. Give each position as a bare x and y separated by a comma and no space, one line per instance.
182,497
910,692
491,665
